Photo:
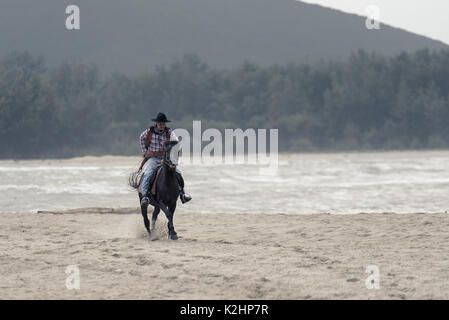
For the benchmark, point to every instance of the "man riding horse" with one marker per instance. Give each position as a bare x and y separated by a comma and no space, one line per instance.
153,147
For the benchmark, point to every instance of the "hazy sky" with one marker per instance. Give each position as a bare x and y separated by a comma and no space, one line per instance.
425,17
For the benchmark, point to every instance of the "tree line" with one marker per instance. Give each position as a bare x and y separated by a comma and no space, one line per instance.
366,102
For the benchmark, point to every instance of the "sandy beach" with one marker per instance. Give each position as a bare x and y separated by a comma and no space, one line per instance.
223,256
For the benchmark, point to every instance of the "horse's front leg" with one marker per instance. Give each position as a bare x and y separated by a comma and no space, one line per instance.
171,232
144,211
169,214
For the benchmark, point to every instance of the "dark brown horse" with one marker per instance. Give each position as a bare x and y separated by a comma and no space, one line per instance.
167,192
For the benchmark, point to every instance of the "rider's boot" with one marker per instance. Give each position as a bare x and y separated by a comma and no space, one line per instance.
145,201
184,197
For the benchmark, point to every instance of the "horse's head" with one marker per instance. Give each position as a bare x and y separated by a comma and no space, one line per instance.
171,154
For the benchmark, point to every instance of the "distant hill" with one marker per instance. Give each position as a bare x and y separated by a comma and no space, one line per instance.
135,35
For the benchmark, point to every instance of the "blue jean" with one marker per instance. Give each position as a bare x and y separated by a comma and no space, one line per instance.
150,167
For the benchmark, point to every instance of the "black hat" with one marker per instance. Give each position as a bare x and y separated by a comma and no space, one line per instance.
161,118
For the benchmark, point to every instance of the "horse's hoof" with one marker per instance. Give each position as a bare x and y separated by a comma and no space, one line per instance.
173,236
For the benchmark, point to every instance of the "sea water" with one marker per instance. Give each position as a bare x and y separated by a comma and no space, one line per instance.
401,182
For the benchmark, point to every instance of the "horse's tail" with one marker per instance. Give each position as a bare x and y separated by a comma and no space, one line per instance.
134,179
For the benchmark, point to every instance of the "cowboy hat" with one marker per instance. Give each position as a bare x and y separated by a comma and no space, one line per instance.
161,118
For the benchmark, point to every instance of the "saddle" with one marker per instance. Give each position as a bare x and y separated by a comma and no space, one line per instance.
154,178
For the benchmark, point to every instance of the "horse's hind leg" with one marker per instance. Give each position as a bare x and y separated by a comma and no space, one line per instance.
154,217
144,211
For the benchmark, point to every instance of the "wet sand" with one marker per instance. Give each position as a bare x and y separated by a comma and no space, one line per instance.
223,256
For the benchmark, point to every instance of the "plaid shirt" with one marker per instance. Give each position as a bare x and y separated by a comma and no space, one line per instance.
157,140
